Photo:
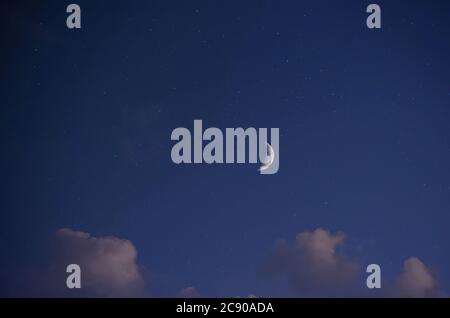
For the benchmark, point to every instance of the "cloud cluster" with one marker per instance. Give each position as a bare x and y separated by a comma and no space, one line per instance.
315,266
108,264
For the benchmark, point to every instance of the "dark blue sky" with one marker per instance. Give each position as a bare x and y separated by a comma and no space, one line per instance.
86,118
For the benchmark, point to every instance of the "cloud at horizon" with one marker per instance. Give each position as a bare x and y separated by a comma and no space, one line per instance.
416,280
108,264
314,265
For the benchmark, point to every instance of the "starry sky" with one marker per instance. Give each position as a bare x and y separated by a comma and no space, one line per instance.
86,118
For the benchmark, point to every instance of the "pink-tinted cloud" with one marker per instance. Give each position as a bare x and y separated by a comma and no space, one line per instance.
314,264
416,280
189,292
108,264
320,251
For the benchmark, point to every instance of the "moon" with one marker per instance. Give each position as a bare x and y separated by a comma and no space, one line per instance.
269,159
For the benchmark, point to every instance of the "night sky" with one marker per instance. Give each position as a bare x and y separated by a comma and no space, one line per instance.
364,118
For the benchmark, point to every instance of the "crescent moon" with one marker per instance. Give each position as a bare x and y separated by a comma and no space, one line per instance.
269,159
